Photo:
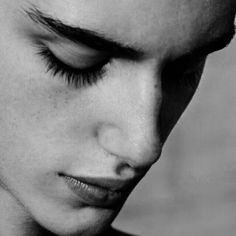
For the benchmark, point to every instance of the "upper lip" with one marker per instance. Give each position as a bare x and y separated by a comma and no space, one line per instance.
109,184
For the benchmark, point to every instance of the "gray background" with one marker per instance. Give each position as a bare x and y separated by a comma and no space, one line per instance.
191,190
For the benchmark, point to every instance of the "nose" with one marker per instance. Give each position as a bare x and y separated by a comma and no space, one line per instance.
130,130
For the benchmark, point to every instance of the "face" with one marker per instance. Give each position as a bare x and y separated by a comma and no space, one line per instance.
89,92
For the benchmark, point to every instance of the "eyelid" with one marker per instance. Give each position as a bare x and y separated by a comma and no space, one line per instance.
75,77
82,48
47,53
77,57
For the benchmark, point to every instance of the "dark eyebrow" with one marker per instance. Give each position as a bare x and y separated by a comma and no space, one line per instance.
87,37
217,43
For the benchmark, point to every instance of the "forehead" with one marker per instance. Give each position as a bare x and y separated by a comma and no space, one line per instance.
148,24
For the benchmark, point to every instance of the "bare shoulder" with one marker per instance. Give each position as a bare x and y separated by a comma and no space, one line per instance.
115,232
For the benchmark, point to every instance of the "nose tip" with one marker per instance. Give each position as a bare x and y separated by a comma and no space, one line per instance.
135,152
130,130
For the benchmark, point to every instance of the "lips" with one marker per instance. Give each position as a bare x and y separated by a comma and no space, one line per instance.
99,192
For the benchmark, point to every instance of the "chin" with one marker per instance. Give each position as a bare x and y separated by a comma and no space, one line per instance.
69,221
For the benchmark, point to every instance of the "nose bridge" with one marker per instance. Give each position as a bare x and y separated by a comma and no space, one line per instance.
143,125
134,134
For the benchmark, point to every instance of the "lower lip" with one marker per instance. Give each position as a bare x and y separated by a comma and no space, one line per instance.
93,195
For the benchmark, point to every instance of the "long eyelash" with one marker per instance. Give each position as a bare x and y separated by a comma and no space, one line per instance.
73,76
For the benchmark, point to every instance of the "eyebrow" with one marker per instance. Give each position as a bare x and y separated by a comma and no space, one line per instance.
87,37
217,43
98,42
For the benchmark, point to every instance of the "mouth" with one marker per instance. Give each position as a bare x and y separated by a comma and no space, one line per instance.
99,192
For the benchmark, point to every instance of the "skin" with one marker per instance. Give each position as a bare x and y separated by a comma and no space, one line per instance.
114,129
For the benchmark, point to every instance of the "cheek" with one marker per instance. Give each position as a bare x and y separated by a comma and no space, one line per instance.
174,103
29,103
37,116
171,110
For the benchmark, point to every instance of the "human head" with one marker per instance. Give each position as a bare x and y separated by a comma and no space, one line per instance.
114,123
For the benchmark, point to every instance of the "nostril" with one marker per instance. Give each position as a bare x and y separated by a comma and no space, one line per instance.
125,171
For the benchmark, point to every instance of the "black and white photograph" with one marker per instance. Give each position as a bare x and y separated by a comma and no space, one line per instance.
117,118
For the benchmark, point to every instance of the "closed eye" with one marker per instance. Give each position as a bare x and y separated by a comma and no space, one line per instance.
76,76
